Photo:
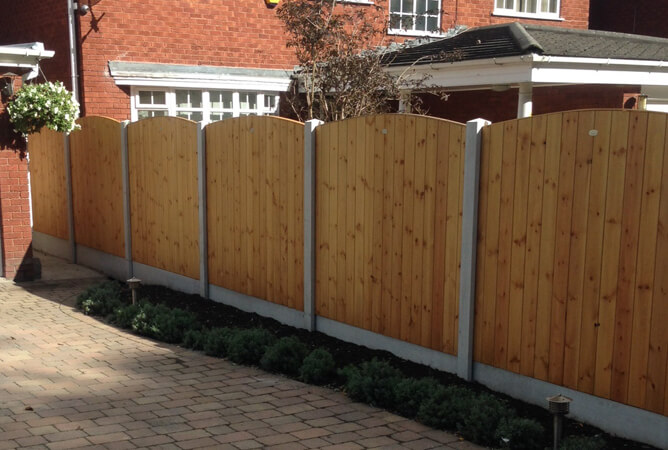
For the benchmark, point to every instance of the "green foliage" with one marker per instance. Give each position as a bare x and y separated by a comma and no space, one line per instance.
43,105
248,346
100,300
217,340
163,323
582,443
410,393
123,315
482,417
372,382
195,339
318,367
284,356
446,407
518,433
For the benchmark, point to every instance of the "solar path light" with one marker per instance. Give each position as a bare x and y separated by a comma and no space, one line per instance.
558,406
134,284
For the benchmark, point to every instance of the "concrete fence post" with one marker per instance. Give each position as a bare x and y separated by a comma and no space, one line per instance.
201,188
469,248
309,222
125,163
70,200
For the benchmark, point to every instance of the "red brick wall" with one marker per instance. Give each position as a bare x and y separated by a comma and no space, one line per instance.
498,106
15,231
649,17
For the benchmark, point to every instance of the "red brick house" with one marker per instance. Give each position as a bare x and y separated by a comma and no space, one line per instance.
205,59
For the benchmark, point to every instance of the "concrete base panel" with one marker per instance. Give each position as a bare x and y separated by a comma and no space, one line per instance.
51,245
114,266
402,349
153,275
615,418
258,306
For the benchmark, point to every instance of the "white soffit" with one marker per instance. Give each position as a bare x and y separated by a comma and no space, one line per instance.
25,56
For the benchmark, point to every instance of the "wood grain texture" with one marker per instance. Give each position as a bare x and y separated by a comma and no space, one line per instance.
48,184
255,188
97,185
163,194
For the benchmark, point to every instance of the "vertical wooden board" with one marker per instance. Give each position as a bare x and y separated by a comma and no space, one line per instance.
378,185
415,325
490,261
576,267
388,202
214,219
264,128
358,127
226,203
368,221
409,224
48,186
289,180
344,253
244,201
322,219
429,216
348,142
480,304
271,208
657,359
400,132
594,252
298,143
519,241
505,244
538,148
645,269
610,259
635,163
562,246
254,216
237,191
335,150
440,238
461,145
284,181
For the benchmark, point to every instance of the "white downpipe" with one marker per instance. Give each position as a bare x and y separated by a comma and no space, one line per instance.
73,49
525,101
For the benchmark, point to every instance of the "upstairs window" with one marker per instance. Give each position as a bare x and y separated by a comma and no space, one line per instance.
548,9
415,17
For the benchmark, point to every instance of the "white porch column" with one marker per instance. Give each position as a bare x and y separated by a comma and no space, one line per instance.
525,100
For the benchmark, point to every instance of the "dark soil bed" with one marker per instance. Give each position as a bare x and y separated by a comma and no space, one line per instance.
214,314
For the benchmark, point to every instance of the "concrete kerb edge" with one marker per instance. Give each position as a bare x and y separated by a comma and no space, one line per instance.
153,275
111,265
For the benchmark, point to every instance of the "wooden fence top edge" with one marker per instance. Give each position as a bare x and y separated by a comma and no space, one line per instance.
423,116
282,119
584,110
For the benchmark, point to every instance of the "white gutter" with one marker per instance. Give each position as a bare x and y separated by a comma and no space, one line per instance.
73,49
24,55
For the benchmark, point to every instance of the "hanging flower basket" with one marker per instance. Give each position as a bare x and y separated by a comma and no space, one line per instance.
43,105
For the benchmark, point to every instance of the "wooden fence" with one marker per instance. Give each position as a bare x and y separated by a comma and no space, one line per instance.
572,246
573,250
388,226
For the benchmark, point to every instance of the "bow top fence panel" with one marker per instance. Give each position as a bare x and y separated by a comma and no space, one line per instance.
48,183
573,250
162,155
97,185
388,226
255,198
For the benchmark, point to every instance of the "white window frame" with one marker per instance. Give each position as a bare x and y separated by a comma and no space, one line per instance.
172,109
513,12
412,32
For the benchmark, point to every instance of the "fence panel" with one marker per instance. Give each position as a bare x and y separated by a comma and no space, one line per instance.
97,185
48,184
388,226
255,197
164,201
572,253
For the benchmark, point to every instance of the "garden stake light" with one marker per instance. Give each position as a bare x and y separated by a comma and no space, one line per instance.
559,406
134,283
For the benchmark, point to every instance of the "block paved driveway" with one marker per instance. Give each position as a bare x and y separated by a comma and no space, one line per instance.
70,381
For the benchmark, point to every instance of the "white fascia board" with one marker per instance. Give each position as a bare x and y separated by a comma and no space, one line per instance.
233,83
22,57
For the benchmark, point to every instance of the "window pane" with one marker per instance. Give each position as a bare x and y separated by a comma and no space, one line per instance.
421,6
395,5
553,6
192,115
433,7
220,116
188,99
158,98
248,100
270,102
145,114
395,21
432,24
420,23
145,97
407,6
220,100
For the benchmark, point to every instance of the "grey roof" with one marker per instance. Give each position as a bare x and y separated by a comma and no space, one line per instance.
514,39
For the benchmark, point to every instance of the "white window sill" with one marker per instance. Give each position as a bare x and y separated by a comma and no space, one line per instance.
399,32
539,16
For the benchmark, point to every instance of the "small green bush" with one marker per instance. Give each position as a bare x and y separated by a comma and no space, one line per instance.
248,346
217,341
195,339
410,393
520,434
372,382
123,315
582,443
284,356
100,300
482,417
445,407
170,325
144,321
318,367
